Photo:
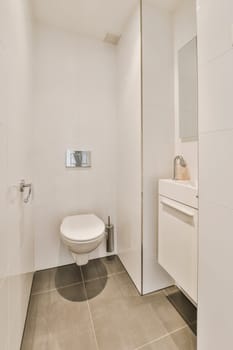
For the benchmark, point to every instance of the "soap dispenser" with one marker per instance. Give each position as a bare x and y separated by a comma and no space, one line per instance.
180,169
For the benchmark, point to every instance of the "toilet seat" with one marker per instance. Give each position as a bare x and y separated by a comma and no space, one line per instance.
82,228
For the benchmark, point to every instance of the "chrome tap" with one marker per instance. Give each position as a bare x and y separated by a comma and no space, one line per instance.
182,163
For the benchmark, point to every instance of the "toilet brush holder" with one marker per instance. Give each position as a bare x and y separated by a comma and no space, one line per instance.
110,236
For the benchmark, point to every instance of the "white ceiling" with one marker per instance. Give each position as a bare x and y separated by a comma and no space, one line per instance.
90,17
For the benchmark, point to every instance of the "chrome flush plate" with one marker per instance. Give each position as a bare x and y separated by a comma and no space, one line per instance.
78,159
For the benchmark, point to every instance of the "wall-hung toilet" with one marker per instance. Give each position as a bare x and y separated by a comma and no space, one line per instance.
82,234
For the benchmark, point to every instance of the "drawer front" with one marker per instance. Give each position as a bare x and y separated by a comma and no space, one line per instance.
177,248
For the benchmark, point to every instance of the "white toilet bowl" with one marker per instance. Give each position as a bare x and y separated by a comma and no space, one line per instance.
82,234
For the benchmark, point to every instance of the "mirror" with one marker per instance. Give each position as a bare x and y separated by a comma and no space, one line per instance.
188,103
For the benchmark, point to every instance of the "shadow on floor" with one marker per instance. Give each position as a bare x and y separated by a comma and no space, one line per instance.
92,279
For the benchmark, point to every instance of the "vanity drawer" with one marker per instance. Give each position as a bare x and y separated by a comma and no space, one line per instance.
177,245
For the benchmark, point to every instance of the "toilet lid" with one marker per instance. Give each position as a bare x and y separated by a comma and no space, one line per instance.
82,227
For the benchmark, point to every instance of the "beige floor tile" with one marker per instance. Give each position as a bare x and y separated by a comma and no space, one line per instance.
170,318
62,341
93,270
181,340
125,320
113,264
55,278
55,323
184,307
185,339
101,268
43,281
95,288
115,286
59,315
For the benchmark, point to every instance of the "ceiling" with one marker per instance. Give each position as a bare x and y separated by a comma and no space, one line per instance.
91,17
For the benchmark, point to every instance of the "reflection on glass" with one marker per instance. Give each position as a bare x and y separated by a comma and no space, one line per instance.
188,113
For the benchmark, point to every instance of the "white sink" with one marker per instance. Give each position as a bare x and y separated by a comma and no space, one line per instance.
185,192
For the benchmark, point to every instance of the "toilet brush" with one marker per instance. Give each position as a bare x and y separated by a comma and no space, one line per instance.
110,236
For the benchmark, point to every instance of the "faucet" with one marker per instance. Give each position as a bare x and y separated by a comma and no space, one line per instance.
182,163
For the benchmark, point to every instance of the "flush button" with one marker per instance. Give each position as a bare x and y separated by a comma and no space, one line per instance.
78,159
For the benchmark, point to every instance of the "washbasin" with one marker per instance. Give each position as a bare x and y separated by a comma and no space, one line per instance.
183,182
185,192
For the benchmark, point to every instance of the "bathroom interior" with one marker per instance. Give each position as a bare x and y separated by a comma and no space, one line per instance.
115,192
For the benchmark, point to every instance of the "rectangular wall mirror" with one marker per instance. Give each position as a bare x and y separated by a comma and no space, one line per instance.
188,92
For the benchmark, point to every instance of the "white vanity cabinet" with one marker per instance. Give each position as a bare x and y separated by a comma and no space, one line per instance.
178,233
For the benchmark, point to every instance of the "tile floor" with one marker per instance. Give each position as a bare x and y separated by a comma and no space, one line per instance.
97,307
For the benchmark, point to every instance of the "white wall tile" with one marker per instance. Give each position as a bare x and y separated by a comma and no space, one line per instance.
216,154
129,148
16,232
215,19
4,314
184,23
215,276
3,208
19,287
75,107
216,172
215,94
158,131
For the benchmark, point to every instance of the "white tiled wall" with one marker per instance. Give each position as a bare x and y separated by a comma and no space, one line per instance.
129,148
75,107
216,84
215,328
214,28
158,131
16,232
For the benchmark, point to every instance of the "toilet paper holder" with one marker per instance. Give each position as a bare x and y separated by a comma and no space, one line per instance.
22,186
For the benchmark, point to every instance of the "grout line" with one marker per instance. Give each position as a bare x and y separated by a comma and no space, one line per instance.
161,338
103,277
89,310
54,289
218,56
76,283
